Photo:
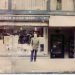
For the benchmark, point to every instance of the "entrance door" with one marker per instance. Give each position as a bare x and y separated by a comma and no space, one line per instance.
57,45
62,43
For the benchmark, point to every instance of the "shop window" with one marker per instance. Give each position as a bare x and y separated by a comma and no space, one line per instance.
24,37
59,5
40,32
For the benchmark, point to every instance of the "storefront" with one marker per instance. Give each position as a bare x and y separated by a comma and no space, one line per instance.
15,38
61,37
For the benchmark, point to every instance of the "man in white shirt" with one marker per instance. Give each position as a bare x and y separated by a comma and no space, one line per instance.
35,45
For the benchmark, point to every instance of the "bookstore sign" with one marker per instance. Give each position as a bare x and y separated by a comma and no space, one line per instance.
24,18
23,21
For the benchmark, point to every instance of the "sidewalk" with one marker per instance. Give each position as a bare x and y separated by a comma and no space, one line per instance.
43,64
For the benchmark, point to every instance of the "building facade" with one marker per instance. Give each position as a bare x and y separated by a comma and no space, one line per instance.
53,20
61,28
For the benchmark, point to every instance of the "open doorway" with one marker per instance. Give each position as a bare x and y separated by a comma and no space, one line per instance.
61,42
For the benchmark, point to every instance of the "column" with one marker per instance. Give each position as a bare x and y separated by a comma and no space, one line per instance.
45,35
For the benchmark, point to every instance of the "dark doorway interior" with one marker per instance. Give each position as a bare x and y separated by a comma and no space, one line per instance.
61,42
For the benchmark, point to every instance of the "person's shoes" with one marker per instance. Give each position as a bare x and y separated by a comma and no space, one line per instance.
34,60
31,60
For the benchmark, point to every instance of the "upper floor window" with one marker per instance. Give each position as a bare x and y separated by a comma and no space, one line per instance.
3,4
29,4
74,4
59,6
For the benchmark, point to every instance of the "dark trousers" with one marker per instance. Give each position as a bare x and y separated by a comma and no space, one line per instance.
33,55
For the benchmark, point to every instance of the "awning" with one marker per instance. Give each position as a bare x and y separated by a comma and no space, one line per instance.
24,20
22,24
62,21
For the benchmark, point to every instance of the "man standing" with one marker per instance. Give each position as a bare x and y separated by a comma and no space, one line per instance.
35,45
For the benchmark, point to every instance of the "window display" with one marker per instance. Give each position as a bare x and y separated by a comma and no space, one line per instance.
24,37
18,39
